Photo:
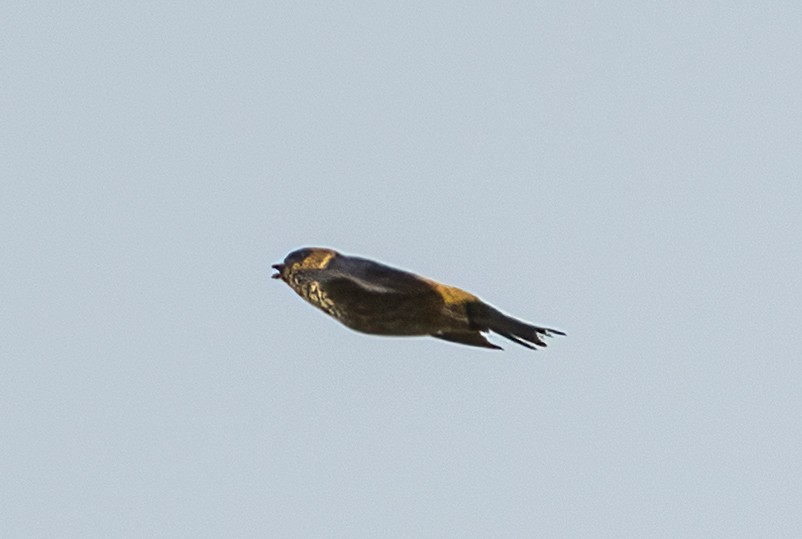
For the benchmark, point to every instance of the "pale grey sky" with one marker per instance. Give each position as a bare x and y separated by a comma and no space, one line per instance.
630,173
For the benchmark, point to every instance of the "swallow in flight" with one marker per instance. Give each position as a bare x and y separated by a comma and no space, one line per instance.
374,298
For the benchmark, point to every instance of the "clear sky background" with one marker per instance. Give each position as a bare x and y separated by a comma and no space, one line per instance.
630,173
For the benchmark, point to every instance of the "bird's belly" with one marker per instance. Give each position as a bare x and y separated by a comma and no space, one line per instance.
382,313
399,321
383,325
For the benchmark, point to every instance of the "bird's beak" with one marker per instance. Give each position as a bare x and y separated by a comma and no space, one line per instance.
280,269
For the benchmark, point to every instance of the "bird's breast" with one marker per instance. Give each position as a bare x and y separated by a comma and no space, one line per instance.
311,292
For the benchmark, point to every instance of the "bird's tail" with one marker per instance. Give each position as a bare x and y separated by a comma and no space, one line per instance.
485,318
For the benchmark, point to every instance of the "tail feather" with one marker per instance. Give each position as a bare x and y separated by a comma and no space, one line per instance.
486,318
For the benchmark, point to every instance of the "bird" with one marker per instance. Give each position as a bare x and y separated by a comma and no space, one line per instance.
371,297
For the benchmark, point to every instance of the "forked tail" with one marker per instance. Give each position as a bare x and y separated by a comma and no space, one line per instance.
485,318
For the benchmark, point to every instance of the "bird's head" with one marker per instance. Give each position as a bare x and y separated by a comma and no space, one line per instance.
308,258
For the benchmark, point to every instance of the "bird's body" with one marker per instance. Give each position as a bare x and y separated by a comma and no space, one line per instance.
373,298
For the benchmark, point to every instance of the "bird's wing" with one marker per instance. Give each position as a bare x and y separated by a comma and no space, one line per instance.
377,278
369,297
